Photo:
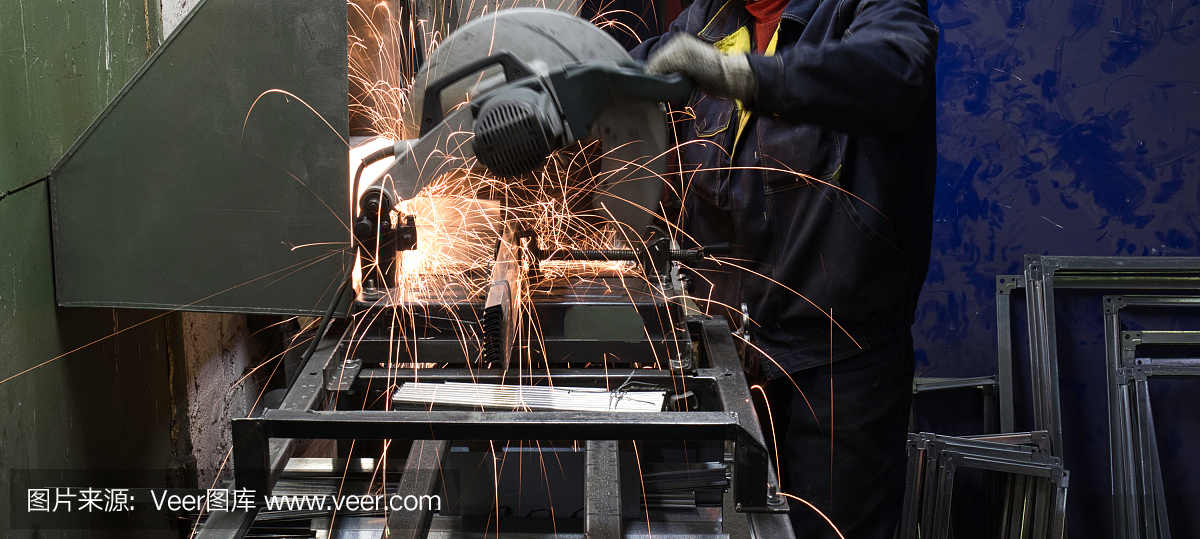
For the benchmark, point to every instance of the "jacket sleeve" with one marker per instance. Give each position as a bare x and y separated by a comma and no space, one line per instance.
872,80
690,21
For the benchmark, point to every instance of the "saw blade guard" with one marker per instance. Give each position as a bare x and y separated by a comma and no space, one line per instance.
541,38
493,57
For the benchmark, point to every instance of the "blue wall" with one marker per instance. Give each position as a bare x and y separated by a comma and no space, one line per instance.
1072,128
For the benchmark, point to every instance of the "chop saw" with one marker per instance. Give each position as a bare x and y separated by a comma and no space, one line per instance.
629,406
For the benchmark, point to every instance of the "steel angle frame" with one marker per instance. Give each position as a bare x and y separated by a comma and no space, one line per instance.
935,504
929,481
1044,273
987,385
1048,480
1145,460
1136,473
753,488
1005,284
1134,460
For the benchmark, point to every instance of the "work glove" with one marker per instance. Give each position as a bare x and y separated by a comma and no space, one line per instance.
717,74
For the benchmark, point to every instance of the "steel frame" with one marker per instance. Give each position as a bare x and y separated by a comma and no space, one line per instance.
1042,275
262,445
1034,505
988,386
1136,474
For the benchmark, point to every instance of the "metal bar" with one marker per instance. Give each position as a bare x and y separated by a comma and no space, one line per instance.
947,463
1172,372
1035,438
1160,497
610,378
251,457
1169,337
497,397
1120,453
930,489
420,479
751,463
1125,282
1121,301
1126,425
1005,284
500,312
461,425
1145,442
921,385
603,491
1040,521
1040,308
1159,264
1026,527
1012,485
1050,363
909,514
1058,522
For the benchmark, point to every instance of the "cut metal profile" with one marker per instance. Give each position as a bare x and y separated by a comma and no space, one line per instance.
494,397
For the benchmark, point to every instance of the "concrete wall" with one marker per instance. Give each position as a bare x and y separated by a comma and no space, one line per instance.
217,353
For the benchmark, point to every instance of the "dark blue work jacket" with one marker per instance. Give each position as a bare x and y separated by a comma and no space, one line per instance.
847,98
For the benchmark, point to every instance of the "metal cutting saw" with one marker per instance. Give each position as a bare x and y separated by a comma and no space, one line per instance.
637,401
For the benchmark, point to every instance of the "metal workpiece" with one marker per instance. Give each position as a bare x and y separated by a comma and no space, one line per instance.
251,436
1139,502
499,397
501,309
1035,484
1043,274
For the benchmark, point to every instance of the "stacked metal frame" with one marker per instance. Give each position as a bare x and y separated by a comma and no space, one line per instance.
1137,476
1044,274
1035,487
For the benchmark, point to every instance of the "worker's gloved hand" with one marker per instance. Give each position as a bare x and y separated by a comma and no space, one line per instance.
716,73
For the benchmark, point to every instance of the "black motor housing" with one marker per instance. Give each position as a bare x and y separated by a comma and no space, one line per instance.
516,129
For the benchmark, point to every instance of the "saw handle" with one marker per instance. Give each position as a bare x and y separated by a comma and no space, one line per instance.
514,69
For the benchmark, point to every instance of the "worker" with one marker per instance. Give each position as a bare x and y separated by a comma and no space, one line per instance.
809,146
